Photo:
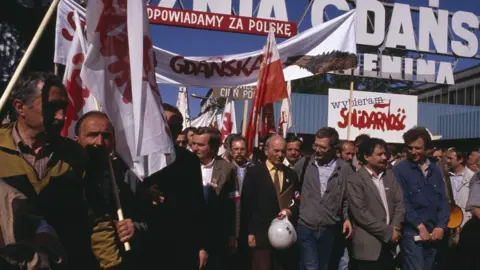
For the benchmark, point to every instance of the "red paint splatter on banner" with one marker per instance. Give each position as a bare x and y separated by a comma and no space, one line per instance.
76,92
376,120
227,125
65,32
113,32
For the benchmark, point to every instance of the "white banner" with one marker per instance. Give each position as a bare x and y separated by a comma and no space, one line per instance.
65,28
183,105
381,115
126,90
327,47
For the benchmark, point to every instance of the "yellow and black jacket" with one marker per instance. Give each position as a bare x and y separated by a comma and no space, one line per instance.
58,196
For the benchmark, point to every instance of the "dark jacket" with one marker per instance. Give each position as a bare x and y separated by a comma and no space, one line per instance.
177,227
371,232
425,200
58,196
260,204
331,208
223,210
103,212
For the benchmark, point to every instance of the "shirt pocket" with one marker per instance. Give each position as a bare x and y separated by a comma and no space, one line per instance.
416,198
439,193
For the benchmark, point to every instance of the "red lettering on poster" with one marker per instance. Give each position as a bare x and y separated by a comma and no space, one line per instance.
376,120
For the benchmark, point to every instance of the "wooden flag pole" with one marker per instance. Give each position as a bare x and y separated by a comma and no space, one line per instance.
244,123
118,205
352,84
28,52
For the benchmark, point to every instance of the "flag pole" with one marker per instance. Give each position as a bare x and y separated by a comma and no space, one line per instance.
118,205
28,52
244,123
352,84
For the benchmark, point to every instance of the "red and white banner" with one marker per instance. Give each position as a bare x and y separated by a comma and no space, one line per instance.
220,22
327,47
229,120
381,115
119,71
271,87
80,100
65,28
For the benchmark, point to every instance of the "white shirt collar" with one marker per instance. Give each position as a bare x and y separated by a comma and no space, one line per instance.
372,174
209,165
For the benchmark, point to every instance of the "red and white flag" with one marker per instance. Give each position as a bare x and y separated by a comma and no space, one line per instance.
285,112
271,86
228,124
80,100
119,71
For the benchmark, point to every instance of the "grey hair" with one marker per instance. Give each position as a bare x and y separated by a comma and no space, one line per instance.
26,89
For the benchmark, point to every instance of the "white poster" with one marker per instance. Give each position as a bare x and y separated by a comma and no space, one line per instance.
380,115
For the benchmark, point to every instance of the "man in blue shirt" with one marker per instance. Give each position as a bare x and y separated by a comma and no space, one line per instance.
426,206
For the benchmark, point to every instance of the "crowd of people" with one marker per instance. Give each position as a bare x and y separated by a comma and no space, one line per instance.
355,204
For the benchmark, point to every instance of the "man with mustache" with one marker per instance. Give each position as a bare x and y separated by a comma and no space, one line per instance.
323,206
293,153
376,204
426,205
47,168
95,133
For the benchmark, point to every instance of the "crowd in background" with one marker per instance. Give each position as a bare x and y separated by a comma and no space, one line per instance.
359,204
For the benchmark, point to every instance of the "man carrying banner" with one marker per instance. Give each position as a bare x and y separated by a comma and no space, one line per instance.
95,134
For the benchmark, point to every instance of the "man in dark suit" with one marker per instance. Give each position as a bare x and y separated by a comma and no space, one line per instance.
176,209
220,188
376,205
269,191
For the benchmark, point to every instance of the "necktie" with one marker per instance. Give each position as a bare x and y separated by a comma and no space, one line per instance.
276,182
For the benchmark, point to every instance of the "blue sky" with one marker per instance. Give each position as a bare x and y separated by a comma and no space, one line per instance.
196,42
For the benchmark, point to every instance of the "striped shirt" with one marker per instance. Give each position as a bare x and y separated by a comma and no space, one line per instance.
37,159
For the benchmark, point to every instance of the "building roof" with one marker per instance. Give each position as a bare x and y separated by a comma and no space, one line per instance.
460,76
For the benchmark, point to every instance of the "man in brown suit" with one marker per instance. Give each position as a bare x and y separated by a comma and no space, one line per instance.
269,191
376,205
220,187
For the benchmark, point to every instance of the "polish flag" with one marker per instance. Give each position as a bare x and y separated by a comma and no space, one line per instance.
119,71
80,100
271,86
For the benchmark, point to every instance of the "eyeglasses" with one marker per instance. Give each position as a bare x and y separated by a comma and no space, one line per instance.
321,147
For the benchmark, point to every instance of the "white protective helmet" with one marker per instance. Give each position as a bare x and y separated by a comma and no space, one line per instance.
281,233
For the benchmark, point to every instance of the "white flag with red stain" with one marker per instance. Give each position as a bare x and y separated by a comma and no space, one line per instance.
119,71
229,122
80,100
285,112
